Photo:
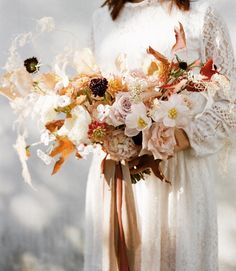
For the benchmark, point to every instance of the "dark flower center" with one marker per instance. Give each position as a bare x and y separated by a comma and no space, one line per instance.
31,65
183,65
98,86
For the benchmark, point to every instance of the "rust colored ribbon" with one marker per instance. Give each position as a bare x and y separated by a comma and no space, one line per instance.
121,236
122,253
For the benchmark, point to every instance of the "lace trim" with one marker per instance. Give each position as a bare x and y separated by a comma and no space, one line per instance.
216,125
217,44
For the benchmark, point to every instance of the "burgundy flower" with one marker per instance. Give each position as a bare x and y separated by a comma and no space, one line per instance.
98,86
31,65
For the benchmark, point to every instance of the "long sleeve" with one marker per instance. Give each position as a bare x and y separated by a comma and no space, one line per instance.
209,133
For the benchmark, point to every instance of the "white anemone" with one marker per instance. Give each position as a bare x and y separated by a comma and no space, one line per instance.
137,120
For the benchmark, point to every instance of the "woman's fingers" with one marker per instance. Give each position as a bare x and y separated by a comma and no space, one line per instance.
138,169
134,162
182,141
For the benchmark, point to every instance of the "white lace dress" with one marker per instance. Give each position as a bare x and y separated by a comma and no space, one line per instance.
177,223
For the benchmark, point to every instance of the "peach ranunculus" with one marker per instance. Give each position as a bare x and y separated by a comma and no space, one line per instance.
120,147
159,140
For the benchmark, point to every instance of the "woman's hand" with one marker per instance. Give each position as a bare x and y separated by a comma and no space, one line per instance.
182,141
144,162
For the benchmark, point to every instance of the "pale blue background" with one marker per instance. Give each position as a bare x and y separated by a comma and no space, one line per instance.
43,230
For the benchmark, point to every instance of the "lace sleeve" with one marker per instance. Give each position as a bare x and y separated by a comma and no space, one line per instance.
210,132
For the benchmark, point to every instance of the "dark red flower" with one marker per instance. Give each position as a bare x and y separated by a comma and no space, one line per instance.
97,131
98,86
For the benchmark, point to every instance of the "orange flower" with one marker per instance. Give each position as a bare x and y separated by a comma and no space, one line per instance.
116,85
163,72
69,91
163,68
152,68
81,81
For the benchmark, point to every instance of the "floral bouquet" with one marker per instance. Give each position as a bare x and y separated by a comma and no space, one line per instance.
127,114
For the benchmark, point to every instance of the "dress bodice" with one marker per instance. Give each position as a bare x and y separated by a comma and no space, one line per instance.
144,24
150,23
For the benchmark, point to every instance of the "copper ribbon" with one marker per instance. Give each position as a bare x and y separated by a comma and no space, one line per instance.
122,253
121,238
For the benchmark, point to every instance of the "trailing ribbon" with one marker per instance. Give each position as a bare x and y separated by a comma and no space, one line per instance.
122,253
121,238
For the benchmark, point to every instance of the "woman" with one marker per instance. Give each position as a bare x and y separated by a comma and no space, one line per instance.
166,227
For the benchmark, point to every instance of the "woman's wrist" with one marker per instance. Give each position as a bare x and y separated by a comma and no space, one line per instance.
182,140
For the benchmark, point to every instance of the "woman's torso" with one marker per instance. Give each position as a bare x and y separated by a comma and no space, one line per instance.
144,24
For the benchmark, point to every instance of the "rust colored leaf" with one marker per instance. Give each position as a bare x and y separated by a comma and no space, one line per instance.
180,39
58,165
54,125
158,55
64,149
209,69
78,156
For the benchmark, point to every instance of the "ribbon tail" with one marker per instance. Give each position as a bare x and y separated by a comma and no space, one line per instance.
122,250
121,237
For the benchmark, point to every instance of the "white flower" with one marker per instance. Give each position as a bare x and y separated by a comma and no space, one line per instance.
61,62
46,138
85,150
63,101
103,112
76,127
136,88
45,108
137,120
172,113
46,24
84,62
61,72
44,157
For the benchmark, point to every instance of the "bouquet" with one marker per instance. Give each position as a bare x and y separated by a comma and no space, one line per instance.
128,114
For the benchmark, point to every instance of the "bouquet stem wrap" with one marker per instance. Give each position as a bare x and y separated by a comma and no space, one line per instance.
122,237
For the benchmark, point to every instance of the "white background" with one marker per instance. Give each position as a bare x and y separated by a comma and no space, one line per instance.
43,230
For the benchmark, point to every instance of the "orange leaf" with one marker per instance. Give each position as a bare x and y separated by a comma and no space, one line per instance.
157,55
58,165
54,125
180,39
65,148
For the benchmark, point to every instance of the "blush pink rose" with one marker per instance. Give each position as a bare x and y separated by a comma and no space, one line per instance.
120,109
159,140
